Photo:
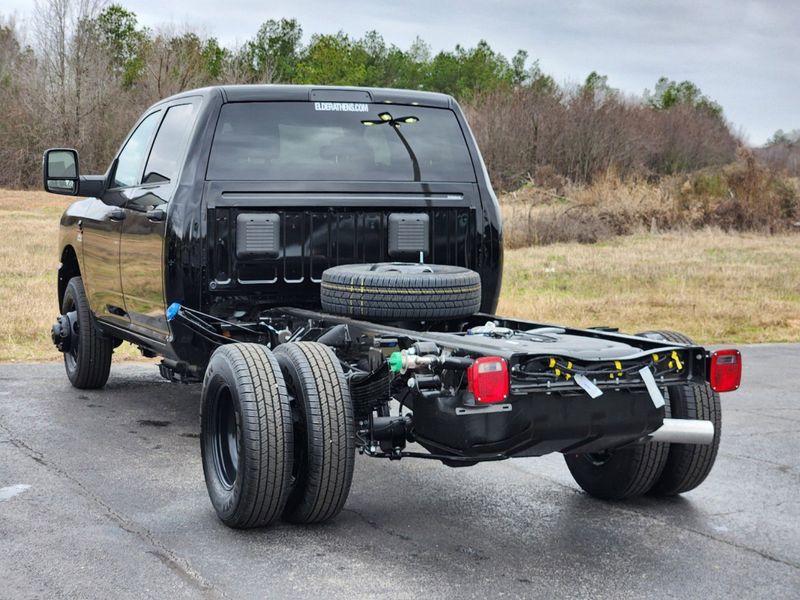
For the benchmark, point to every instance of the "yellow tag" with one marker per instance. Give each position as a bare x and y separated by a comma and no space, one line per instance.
552,362
669,364
569,365
655,357
677,360
558,372
567,376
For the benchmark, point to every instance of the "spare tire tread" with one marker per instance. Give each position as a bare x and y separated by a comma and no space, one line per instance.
357,291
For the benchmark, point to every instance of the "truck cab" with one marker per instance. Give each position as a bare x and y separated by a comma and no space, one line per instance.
230,197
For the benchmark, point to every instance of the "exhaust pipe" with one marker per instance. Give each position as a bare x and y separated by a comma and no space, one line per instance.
684,431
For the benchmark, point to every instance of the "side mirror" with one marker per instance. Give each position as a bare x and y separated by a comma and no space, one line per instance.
60,171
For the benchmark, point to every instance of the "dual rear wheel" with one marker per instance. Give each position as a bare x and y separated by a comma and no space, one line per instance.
277,436
659,469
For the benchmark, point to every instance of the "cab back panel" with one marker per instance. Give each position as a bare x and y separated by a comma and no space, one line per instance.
273,247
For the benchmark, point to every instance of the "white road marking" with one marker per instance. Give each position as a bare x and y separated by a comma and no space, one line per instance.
9,492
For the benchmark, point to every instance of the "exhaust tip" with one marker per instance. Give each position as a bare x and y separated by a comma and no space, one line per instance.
684,431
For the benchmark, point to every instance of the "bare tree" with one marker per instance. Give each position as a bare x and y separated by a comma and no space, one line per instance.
71,64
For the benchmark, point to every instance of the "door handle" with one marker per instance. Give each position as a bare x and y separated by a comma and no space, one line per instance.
117,214
156,215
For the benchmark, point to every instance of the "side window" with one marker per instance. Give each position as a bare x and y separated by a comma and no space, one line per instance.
132,156
168,147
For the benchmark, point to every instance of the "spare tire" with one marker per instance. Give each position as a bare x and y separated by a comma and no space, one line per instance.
401,291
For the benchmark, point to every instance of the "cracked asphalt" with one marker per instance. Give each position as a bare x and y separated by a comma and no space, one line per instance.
102,496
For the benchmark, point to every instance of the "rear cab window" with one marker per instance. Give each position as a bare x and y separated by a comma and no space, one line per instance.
325,141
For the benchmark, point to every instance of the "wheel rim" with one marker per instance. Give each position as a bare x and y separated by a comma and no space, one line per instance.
226,438
71,357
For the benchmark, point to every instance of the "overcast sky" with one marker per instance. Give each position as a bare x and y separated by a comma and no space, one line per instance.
745,55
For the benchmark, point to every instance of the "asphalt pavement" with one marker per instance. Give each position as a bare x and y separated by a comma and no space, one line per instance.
102,496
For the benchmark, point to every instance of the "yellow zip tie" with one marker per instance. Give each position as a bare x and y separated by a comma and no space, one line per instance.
552,362
619,367
677,360
655,358
558,372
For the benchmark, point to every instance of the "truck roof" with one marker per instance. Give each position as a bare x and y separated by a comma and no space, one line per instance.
320,93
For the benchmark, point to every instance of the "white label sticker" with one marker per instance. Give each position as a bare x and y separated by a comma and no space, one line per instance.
588,386
652,387
341,106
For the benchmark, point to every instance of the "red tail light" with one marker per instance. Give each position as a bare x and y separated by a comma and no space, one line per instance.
725,372
487,379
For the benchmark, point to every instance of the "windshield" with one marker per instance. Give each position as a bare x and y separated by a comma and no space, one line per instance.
331,141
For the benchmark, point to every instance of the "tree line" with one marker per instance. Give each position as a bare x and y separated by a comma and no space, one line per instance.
85,70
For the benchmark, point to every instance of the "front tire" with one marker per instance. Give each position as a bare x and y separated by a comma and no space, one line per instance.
246,435
88,360
324,431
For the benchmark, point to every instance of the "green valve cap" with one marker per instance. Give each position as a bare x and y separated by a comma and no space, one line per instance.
396,362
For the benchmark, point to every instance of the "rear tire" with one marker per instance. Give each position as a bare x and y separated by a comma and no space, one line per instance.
88,361
324,431
620,474
246,435
688,464
400,291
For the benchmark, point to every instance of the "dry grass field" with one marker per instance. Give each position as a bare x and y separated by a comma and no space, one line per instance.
714,286
28,264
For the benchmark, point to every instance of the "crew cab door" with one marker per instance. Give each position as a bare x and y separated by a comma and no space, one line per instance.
144,227
101,228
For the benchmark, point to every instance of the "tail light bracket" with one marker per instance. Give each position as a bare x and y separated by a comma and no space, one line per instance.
487,379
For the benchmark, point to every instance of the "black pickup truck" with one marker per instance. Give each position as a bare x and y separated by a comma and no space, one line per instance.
328,261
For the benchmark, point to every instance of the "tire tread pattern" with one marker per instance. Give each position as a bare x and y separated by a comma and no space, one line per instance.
95,349
688,465
324,485
266,435
448,292
628,472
